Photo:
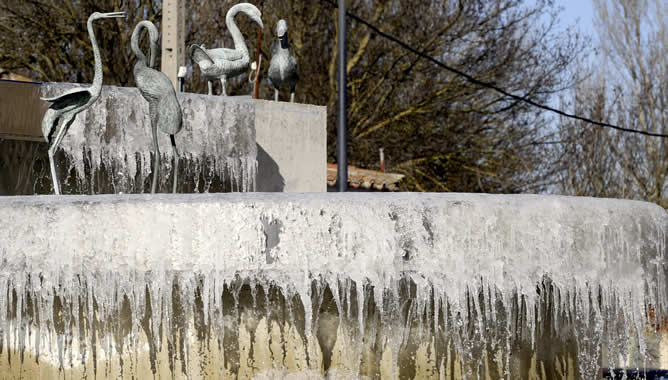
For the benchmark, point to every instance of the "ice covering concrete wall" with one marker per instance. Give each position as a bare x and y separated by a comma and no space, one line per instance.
476,284
108,147
217,142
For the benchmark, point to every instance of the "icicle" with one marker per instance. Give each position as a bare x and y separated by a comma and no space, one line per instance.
104,160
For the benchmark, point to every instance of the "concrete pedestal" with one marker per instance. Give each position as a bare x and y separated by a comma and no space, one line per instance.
291,147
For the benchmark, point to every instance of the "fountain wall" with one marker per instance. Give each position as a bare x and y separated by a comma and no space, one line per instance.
225,145
407,286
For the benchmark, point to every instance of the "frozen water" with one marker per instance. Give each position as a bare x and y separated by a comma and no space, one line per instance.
216,144
353,285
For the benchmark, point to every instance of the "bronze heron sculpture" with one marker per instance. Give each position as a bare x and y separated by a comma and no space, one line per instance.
226,63
157,89
64,108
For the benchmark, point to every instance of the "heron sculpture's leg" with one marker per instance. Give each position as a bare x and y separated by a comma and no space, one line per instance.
292,95
54,175
275,94
223,81
156,161
176,163
64,124
210,87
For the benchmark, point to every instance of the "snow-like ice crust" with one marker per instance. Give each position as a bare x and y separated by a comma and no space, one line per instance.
217,140
471,261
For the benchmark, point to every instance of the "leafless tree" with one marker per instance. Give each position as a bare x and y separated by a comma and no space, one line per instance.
445,133
588,167
634,94
47,40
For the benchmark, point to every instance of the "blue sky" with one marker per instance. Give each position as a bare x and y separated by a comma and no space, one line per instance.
579,12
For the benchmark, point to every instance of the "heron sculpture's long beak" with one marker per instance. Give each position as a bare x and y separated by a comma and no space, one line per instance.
256,16
113,15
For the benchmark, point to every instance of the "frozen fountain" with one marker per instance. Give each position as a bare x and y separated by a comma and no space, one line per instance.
301,285
409,286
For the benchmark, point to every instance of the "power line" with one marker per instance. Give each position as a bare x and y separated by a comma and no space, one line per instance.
490,85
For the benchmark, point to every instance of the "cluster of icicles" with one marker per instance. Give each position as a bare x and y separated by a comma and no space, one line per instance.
274,286
107,174
109,147
211,326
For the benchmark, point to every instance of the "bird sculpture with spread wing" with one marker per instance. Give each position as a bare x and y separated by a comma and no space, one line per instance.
222,64
64,108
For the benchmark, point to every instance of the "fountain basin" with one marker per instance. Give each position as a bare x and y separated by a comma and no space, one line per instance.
382,286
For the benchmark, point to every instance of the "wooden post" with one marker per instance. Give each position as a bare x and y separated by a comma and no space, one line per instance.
173,39
256,85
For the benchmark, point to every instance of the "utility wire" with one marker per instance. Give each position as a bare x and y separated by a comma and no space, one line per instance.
490,85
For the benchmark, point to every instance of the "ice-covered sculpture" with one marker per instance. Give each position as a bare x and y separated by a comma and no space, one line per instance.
157,89
64,108
108,147
283,66
225,63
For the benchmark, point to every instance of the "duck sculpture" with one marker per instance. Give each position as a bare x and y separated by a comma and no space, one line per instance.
221,64
283,65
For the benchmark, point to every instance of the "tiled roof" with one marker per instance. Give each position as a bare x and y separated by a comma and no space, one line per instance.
365,179
7,75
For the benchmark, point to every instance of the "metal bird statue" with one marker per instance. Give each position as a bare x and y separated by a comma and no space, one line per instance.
226,63
157,89
64,108
283,65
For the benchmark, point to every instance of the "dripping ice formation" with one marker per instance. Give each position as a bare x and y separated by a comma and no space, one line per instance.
217,142
415,285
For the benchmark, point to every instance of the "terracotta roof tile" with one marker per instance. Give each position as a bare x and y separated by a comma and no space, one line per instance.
7,75
365,179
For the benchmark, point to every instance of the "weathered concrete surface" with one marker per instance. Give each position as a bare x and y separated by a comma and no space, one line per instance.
21,111
292,147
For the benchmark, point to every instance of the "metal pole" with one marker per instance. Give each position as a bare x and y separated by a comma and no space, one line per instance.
342,128
256,85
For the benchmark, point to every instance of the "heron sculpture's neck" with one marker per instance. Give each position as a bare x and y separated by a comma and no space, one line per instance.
153,36
284,43
96,88
237,37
